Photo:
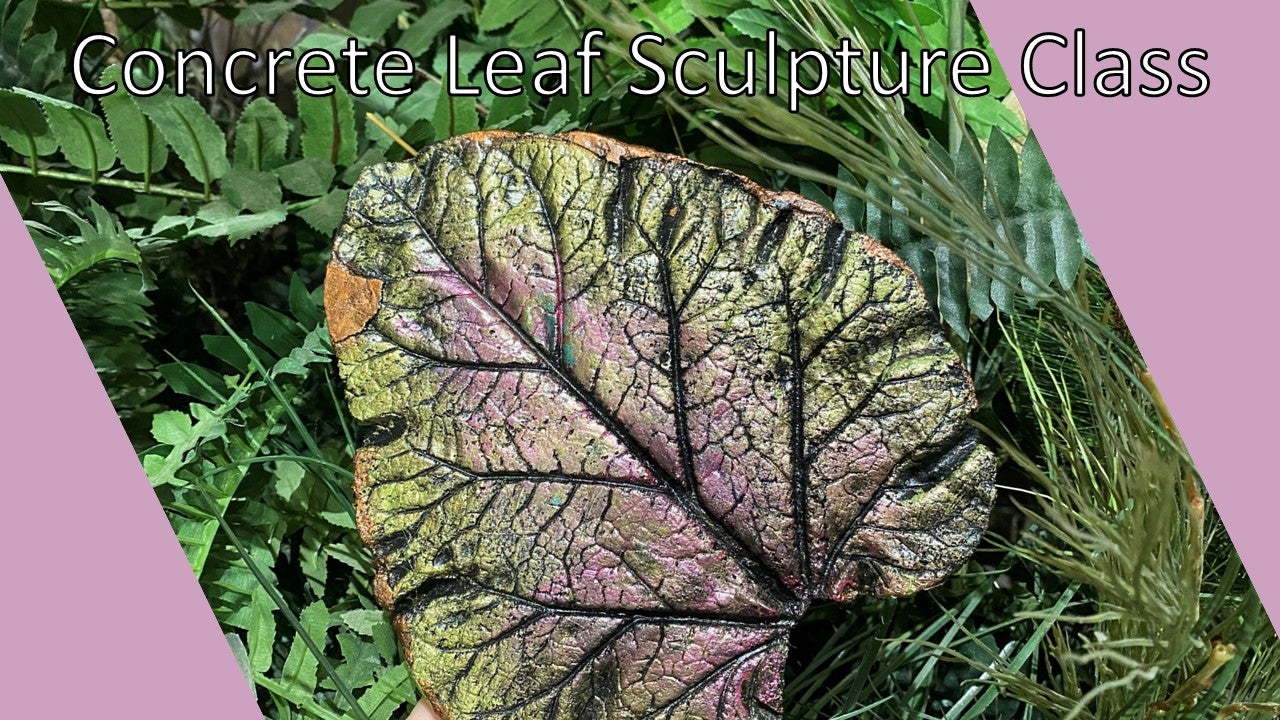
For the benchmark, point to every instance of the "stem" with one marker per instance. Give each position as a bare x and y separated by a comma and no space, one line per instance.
1185,695
1190,484
35,156
955,43
134,185
1229,710
391,133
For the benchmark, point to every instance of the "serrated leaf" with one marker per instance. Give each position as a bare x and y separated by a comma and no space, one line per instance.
454,116
260,12
262,134
194,136
420,36
544,22
1003,179
236,227
171,428
308,177
66,256
393,689
953,289
633,410
371,20
1046,220
136,141
23,126
753,22
326,214
251,190
81,135
300,666
363,621
971,174
328,126
850,210
261,632
1003,174
497,14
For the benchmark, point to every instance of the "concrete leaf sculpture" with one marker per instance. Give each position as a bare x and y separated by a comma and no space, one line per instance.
630,416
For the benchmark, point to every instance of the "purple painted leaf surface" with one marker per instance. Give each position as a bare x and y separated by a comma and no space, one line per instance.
630,417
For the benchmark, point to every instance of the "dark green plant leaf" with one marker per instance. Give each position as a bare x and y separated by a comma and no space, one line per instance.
309,177
251,190
328,126
222,221
81,134
326,214
497,14
1054,243
635,416
262,12
66,256
26,60
454,116
193,135
23,126
262,134
420,36
373,19
141,148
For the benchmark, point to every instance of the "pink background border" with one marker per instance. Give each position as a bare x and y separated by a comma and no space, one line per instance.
1174,195
102,614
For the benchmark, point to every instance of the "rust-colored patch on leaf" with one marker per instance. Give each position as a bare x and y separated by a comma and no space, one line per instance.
350,301
608,148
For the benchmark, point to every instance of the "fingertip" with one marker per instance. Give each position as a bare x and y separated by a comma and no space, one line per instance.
423,711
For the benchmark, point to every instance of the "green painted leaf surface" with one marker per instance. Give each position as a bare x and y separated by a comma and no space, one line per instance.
632,417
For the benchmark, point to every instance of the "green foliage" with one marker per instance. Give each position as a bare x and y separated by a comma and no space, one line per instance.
262,135
195,138
188,238
328,126
1024,203
23,126
26,57
141,149
66,256
81,135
